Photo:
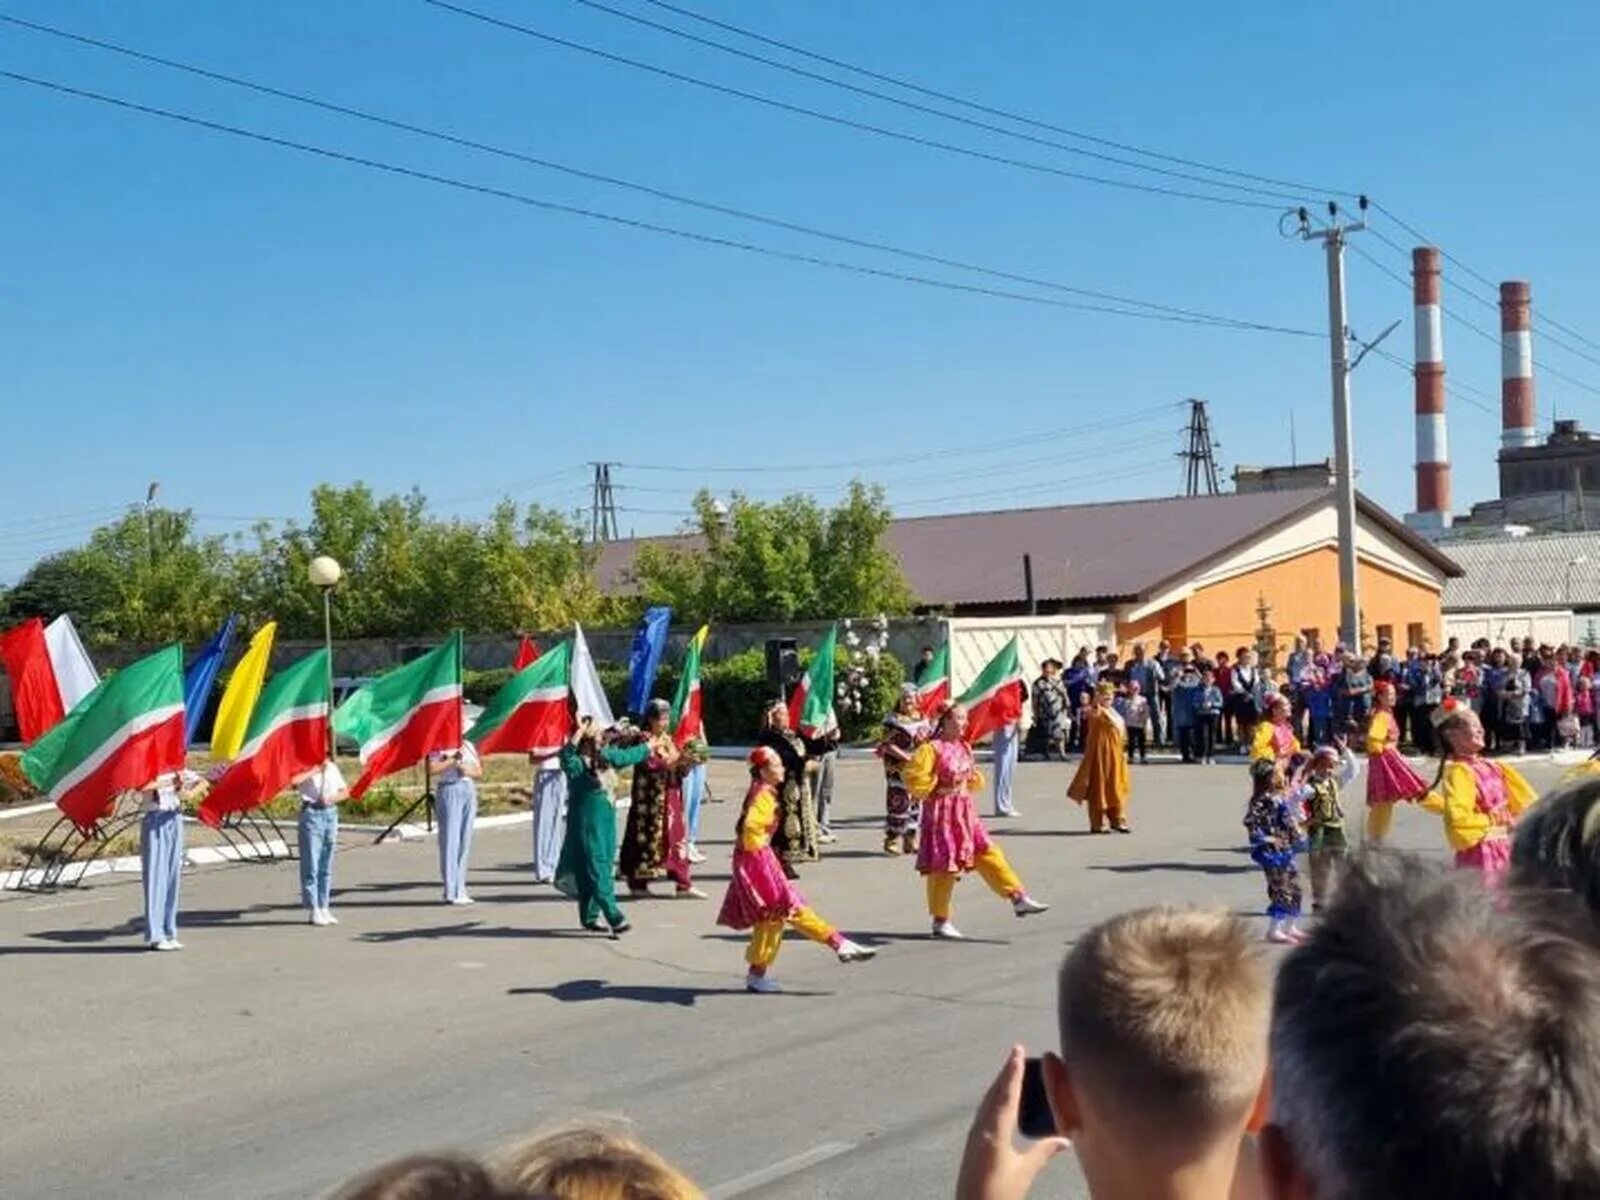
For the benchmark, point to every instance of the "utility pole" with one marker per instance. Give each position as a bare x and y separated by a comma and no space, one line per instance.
1344,484
602,505
1199,457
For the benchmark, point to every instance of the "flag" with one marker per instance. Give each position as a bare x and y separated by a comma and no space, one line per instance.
644,659
527,653
811,702
934,687
994,699
587,694
688,705
403,716
49,673
239,697
529,715
201,677
124,734
287,735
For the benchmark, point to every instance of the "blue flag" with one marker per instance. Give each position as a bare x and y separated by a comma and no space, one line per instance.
201,676
649,640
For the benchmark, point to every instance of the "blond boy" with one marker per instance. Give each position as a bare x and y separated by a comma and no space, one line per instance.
1163,1015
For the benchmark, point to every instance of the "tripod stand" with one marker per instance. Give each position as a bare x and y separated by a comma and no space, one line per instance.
424,802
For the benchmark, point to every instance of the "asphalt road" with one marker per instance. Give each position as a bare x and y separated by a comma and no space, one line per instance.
273,1059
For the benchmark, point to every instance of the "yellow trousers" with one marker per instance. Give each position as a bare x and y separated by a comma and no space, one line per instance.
991,866
1380,817
766,938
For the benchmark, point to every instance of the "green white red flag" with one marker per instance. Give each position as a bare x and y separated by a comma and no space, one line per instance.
994,699
688,706
934,687
811,702
122,735
530,714
400,718
287,736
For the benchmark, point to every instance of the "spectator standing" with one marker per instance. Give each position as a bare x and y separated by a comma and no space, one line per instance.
1356,690
1211,711
1079,682
1583,706
1162,700
1298,666
1047,737
1514,703
1555,699
1223,677
1186,689
919,674
1146,672
1136,714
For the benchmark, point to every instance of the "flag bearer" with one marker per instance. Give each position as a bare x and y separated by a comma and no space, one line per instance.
549,816
453,773
161,854
320,789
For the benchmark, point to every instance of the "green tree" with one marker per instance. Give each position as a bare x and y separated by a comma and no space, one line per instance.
783,561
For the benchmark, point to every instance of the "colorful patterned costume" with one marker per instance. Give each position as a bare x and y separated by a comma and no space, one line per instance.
1480,801
1389,776
797,838
1275,835
1274,740
901,737
943,776
759,897
1326,841
655,843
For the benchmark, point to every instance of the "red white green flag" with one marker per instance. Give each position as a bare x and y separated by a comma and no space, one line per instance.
994,699
934,689
530,714
688,707
811,702
287,736
122,735
402,717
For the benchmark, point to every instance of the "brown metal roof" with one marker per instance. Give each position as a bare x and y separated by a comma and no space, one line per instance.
1122,550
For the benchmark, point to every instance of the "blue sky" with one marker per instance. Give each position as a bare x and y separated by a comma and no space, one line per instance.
242,322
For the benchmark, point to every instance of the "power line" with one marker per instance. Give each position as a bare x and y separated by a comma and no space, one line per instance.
975,106
628,222
610,180
846,122
1397,361
990,127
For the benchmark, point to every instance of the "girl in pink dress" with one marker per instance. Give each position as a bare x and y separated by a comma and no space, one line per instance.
1480,799
943,776
1390,778
759,897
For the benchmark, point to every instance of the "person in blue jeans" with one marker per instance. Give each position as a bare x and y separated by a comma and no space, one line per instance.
161,855
320,789
453,775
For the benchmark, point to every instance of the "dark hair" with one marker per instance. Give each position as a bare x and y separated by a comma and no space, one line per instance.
1434,1040
423,1177
1557,844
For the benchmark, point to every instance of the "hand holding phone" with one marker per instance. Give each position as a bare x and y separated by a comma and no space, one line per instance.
1034,1118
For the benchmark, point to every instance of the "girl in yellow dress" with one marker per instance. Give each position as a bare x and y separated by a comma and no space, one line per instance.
1479,798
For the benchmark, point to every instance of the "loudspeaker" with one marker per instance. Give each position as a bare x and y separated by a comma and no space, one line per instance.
783,663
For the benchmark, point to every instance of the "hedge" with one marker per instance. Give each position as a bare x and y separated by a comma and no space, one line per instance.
735,690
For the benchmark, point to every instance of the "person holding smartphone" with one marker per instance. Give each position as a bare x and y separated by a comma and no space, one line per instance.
453,775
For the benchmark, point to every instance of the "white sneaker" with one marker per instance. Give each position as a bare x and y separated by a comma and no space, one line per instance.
174,944
689,893
827,837
948,932
694,855
318,917
164,944
328,918
462,899
1025,906
761,983
850,952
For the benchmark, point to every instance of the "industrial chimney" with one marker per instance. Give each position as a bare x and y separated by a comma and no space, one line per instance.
1516,366
1433,446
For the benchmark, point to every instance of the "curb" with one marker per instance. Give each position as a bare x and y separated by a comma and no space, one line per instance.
128,864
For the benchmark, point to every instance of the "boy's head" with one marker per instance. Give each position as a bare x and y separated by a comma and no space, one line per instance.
1208,676
1163,1016
1324,761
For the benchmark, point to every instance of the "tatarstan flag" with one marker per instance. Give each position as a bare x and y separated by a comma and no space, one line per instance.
934,687
122,735
994,699
811,702
688,706
405,715
529,715
287,736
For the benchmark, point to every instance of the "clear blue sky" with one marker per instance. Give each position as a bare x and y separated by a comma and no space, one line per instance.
242,322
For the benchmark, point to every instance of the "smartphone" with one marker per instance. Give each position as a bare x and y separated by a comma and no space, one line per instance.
1034,1118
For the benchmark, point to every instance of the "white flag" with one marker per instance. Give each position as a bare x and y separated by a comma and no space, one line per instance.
587,693
75,674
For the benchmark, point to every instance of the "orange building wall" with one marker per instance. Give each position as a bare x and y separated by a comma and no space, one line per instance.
1303,593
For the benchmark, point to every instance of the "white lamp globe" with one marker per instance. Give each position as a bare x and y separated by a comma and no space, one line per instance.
325,572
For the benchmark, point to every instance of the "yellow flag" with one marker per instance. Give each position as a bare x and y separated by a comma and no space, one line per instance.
239,698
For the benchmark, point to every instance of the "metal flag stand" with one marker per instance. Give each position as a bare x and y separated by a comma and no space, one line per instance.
425,802
58,849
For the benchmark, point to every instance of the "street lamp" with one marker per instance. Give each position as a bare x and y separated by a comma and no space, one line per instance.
325,573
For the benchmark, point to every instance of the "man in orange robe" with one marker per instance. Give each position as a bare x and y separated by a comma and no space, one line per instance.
1102,778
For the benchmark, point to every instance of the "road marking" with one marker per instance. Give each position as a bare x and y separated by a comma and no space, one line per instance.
767,1176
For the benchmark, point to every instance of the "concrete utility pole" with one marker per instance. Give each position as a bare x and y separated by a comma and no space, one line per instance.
1332,239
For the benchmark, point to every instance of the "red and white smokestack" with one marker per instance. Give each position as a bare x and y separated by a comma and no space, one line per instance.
1516,366
1433,445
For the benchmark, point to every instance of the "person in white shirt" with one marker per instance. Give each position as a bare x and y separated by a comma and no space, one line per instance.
321,789
549,816
161,854
452,774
